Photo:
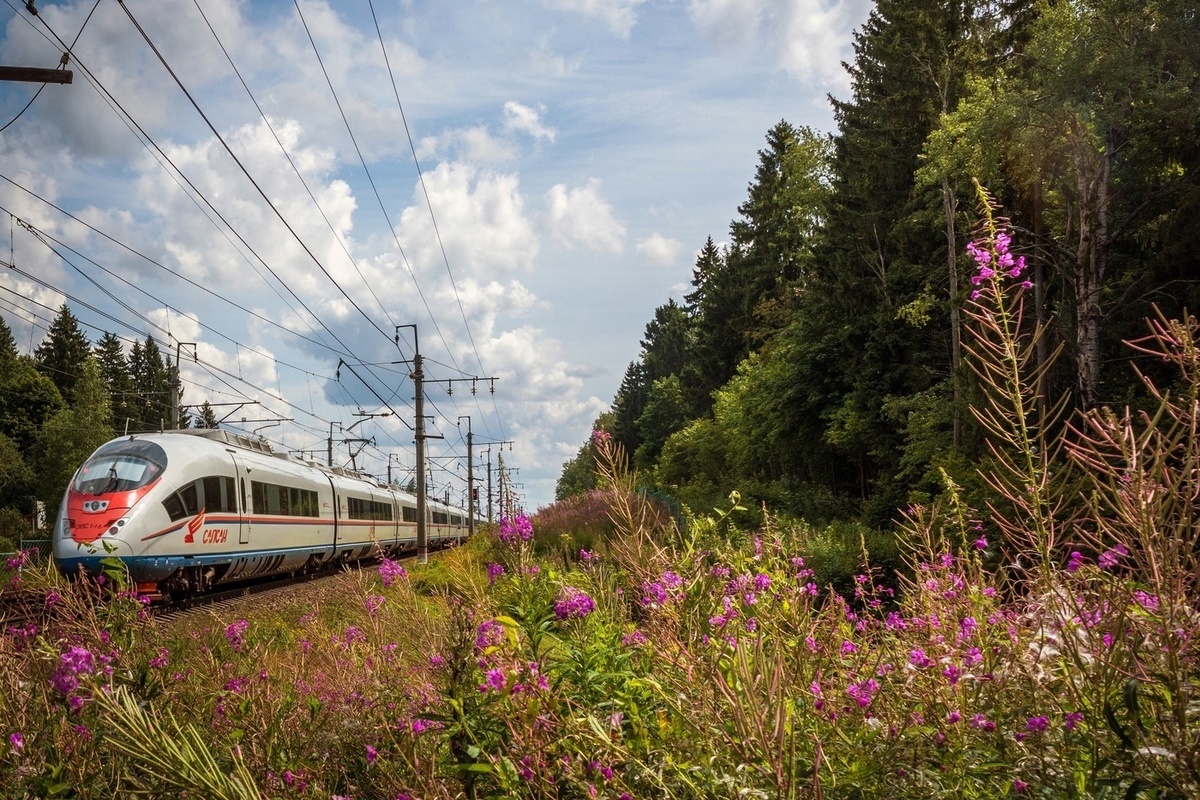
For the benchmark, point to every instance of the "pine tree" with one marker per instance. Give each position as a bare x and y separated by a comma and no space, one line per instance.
205,418
61,355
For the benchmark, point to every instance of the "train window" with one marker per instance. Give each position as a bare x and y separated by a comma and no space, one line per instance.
174,507
219,494
121,466
185,502
410,513
357,508
284,501
303,503
455,520
440,518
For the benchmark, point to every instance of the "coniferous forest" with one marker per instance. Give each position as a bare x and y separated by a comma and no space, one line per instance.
817,365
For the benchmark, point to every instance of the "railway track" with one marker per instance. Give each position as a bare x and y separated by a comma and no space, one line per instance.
22,606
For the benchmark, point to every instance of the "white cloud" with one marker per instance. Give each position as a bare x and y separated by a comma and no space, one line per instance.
582,216
519,117
658,249
475,145
481,218
807,38
619,15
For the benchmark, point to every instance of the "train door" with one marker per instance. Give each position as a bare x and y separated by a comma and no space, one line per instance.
244,505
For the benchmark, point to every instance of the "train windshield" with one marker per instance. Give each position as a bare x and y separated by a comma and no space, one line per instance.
121,466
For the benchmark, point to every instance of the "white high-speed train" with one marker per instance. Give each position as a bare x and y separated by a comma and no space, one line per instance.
187,510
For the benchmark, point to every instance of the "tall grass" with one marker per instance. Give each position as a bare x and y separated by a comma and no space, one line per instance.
1037,647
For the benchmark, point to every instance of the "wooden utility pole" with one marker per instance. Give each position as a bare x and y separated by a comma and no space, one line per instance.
36,75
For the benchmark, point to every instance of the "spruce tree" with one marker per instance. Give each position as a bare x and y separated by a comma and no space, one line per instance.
114,368
61,355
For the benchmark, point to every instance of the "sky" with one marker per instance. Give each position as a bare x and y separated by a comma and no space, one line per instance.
278,190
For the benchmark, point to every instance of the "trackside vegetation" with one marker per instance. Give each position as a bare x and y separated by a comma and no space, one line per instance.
1045,646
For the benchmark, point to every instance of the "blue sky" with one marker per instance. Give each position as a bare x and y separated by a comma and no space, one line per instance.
575,155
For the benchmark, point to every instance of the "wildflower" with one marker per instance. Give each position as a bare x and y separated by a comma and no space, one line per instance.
588,557
973,656
918,659
160,660
494,571
848,647
493,679
372,754
654,594
1073,719
1019,785
600,437
1110,558
1075,561
17,741
1146,601
953,717
981,722
981,543
515,530
862,693
390,572
952,674
235,634
372,603
490,633
634,638
967,626
1037,724
574,603
73,663
762,582
53,598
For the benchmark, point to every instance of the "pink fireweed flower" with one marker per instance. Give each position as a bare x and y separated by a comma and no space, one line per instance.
235,634
588,557
1037,724
515,530
372,603
634,638
918,659
494,571
372,754
981,722
600,437
390,572
1075,561
490,633
1072,719
1110,558
17,741
995,260
863,693
1145,600
574,604
160,661
654,594
849,648
494,680
981,543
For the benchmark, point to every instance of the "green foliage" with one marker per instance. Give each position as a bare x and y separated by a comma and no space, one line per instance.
61,355
70,436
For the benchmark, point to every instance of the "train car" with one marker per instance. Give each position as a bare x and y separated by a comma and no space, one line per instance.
187,510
